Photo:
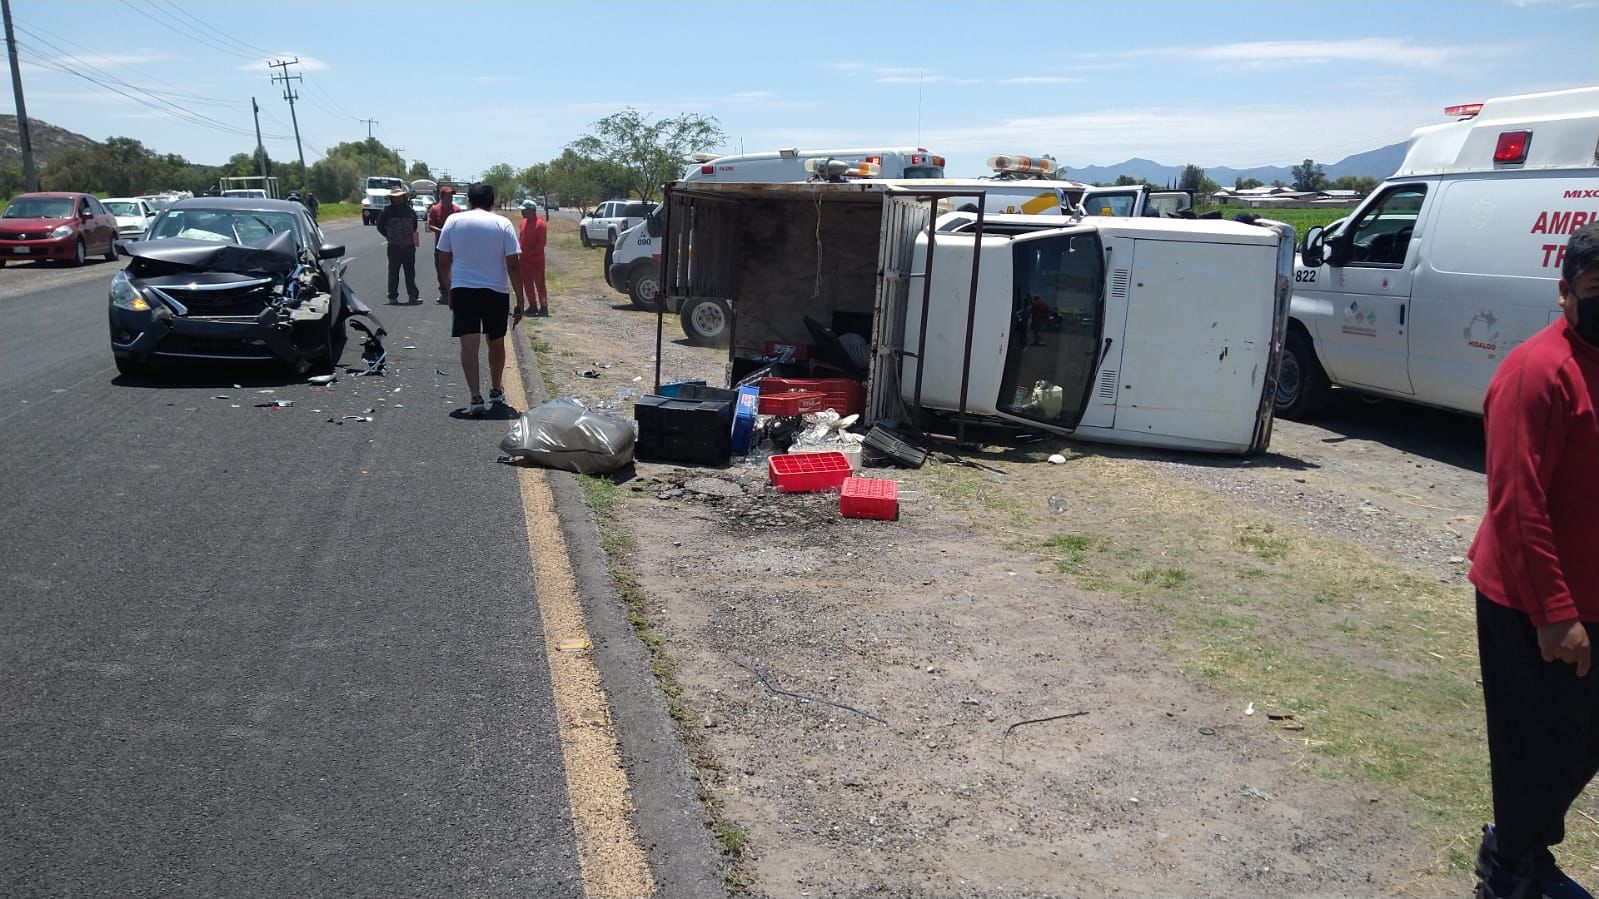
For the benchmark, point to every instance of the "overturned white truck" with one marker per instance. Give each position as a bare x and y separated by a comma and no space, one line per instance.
1152,332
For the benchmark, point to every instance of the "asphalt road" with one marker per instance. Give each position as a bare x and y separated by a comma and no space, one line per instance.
246,651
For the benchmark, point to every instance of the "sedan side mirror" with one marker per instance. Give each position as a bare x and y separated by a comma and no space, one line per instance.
87,215
330,251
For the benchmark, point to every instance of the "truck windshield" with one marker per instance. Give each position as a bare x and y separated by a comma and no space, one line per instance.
1056,318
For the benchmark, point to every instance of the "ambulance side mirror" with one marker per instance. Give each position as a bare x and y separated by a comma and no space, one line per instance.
653,225
1313,252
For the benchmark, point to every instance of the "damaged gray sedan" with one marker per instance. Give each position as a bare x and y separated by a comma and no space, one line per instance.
228,279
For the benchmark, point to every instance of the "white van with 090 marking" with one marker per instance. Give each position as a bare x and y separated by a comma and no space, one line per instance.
1451,263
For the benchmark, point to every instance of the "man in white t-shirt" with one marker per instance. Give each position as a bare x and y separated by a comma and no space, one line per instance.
479,266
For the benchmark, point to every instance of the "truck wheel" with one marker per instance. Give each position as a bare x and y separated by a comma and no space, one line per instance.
644,287
1302,385
707,321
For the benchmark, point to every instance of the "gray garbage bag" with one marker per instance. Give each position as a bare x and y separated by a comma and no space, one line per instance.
564,434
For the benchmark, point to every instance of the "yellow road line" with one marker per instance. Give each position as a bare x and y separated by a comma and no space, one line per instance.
609,854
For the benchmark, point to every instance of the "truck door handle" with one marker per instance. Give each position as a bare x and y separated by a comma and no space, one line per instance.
1402,313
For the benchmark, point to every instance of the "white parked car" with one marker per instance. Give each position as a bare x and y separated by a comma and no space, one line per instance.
134,215
600,226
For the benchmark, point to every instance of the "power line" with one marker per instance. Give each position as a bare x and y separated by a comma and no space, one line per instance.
68,54
159,104
187,33
249,49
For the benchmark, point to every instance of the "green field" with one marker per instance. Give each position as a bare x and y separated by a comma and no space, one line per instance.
1301,219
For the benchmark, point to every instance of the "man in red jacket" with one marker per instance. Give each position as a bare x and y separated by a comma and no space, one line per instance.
1535,564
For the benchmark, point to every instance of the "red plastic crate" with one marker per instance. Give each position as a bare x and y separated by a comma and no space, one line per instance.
799,472
869,498
844,396
793,402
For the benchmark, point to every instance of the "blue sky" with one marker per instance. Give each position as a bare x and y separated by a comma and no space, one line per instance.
1218,83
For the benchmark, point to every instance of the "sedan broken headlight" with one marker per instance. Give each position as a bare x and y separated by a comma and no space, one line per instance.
125,296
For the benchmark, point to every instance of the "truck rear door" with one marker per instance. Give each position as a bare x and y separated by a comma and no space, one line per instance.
904,218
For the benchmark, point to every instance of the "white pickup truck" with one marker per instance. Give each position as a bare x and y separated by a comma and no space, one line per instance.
1155,332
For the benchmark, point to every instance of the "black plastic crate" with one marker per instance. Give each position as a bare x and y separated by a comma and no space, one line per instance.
698,432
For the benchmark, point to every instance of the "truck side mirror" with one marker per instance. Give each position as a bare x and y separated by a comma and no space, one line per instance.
1313,251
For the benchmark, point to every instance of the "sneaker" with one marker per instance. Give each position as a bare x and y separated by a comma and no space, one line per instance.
477,406
1534,877
496,397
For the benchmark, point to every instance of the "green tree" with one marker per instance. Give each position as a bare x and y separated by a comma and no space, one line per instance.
11,182
419,170
1309,176
1246,183
1363,183
1128,181
537,179
1191,178
503,179
337,179
648,153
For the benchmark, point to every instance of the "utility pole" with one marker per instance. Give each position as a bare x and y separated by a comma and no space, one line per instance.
30,175
291,96
260,148
369,123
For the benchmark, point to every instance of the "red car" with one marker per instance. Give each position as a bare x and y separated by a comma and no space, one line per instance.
65,227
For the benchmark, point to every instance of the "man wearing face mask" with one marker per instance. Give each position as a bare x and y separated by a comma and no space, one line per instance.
1535,564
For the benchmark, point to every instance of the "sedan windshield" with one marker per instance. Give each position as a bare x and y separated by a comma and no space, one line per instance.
129,209
231,225
40,208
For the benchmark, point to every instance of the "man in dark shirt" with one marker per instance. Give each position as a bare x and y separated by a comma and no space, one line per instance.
1535,564
397,224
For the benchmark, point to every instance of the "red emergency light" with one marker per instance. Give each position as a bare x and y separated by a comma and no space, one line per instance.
877,160
1512,146
1464,109
707,170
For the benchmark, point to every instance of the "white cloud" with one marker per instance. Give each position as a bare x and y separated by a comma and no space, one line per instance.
1237,136
307,63
908,75
1382,50
1041,79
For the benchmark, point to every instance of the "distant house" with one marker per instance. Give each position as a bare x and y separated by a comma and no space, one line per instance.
1283,197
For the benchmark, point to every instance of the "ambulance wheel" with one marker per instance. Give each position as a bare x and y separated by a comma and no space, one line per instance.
708,321
644,287
1302,385
583,237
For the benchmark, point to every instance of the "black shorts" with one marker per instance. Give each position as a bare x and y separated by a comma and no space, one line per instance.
479,310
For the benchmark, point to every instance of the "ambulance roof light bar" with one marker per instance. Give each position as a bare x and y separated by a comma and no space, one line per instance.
837,169
1024,165
1464,110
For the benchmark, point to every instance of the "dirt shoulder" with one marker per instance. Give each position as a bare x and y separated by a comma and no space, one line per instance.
1154,598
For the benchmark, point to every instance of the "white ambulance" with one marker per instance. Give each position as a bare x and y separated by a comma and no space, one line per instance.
1451,263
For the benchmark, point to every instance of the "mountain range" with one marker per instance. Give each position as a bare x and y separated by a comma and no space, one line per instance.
48,140
1378,163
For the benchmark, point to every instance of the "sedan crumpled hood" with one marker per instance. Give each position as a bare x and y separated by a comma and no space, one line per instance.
274,256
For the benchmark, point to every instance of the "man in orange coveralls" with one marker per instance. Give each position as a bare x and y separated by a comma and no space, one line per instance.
532,236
